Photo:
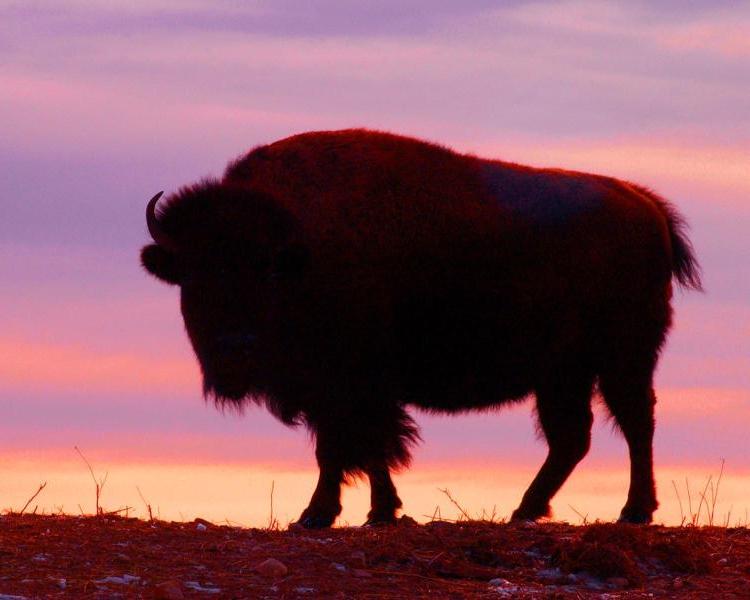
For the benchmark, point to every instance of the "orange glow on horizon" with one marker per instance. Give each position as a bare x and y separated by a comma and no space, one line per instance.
240,494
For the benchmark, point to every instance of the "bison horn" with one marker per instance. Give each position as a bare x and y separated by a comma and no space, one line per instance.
160,237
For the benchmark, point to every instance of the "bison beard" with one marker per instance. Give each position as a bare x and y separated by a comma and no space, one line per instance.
338,277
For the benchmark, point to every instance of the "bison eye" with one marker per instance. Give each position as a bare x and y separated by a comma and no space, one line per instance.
291,261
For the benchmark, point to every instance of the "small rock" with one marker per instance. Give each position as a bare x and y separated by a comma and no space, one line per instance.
168,590
499,582
201,527
620,582
361,573
304,590
272,568
722,561
338,566
60,582
358,559
406,521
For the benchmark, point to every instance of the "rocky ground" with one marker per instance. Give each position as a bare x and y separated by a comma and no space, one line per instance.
113,557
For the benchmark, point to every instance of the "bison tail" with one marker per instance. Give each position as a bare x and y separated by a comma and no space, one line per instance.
685,267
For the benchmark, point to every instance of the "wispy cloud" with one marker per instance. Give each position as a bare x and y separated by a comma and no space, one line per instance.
26,367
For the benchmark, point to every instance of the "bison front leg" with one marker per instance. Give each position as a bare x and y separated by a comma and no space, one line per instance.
384,501
325,504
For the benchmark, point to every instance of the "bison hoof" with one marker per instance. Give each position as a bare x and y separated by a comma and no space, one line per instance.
380,522
521,515
315,522
635,517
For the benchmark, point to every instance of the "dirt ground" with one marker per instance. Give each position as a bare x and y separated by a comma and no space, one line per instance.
114,557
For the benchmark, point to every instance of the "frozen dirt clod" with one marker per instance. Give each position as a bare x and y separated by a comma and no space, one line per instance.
272,568
358,559
361,573
168,590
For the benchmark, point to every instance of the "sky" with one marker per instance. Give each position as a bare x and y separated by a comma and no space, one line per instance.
103,104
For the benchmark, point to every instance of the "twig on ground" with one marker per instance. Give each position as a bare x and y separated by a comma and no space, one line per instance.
690,503
99,483
273,523
30,500
715,492
704,499
584,518
124,509
148,506
456,504
679,501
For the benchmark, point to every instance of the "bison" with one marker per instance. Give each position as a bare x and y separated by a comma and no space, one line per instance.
339,277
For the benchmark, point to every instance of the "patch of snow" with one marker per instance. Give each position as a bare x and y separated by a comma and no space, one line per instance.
124,580
195,586
503,587
549,573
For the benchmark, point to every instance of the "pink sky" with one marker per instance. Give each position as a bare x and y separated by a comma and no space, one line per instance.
103,106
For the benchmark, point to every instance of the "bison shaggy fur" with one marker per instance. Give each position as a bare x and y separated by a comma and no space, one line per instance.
340,277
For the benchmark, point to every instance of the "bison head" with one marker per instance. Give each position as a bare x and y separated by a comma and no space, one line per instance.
239,260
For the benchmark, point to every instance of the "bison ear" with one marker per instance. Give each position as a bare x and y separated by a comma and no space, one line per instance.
161,263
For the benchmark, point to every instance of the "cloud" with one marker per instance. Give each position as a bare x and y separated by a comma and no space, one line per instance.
286,18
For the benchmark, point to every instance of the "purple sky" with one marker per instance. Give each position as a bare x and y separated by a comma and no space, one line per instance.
100,107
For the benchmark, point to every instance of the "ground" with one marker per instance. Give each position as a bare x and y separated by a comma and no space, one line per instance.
111,557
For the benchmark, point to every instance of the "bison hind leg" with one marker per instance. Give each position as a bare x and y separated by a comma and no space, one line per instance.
631,401
626,385
565,418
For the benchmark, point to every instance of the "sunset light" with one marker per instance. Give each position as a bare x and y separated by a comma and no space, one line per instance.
104,104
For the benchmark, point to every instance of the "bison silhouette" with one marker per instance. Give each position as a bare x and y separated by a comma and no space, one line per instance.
339,277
